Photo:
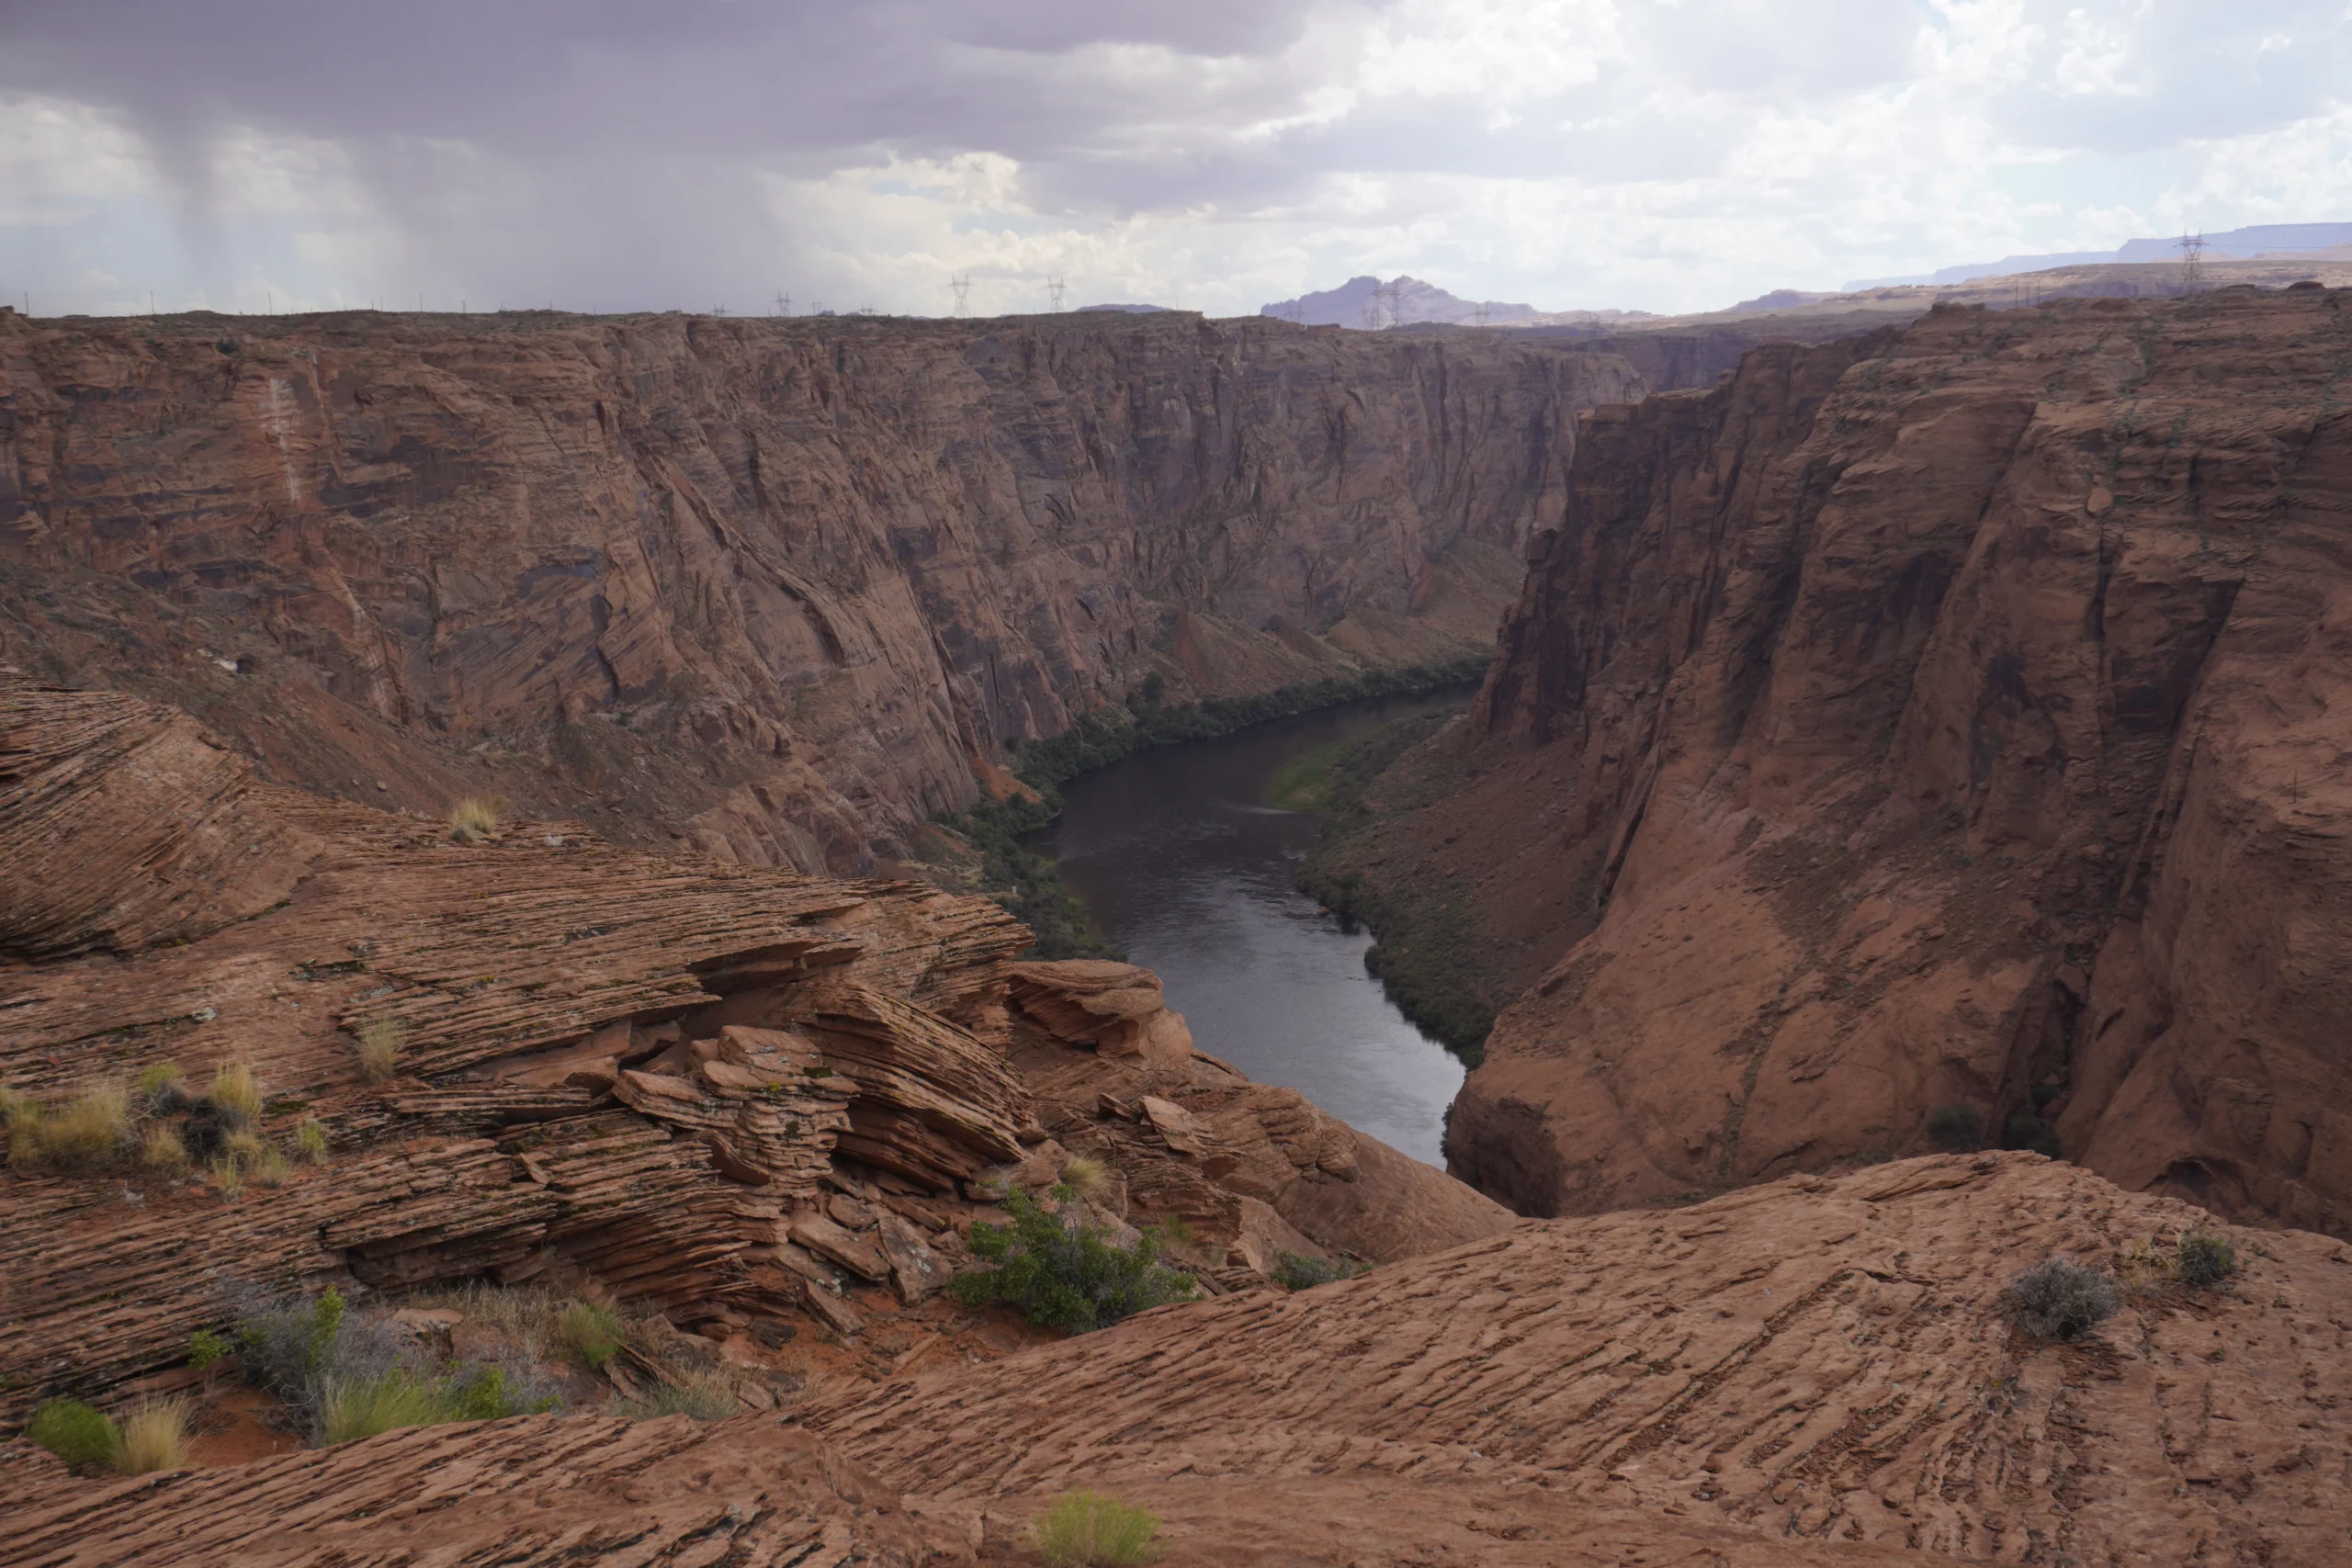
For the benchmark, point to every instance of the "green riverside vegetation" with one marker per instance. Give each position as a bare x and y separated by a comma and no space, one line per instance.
1025,881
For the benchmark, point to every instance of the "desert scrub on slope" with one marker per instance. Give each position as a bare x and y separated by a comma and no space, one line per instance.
1064,1273
2205,1259
475,820
698,1397
1295,1271
2062,1300
83,1437
1091,1529
89,1132
379,1050
153,1437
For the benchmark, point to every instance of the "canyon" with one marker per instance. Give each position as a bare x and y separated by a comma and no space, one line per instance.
1934,734
774,590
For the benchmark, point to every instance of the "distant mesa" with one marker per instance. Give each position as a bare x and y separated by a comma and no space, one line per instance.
2261,242
1402,300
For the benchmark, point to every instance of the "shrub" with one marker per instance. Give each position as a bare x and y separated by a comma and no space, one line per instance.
366,1408
160,1148
161,1084
91,1129
311,1143
1086,1177
244,1148
237,1092
1955,1127
379,1050
1065,1275
271,1167
592,1332
2025,1130
2206,1260
702,1398
474,819
204,1348
154,1436
1088,1529
75,1433
1294,1271
2061,1300
229,1177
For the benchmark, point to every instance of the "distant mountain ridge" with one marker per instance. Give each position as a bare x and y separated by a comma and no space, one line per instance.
1403,299
2258,240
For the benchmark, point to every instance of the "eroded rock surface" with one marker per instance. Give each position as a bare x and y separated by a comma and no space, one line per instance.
774,588
1948,718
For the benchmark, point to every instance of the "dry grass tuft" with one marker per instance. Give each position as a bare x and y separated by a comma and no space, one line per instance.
236,1090
91,1129
271,1167
161,1149
229,1177
311,1143
1091,1529
1086,1177
379,1050
155,1079
475,820
153,1437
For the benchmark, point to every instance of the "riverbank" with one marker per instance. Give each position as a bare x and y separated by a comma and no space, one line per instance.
989,850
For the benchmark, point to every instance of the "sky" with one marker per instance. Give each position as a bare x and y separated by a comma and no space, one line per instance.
1210,154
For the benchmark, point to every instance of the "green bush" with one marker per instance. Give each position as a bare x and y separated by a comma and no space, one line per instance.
1955,1127
2025,1130
1089,1529
84,1437
2206,1260
2060,1300
368,1407
1064,1274
1295,1271
204,1348
594,1332
702,1398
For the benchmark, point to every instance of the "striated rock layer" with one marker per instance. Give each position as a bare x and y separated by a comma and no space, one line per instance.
775,588
1950,721
1810,1373
707,1088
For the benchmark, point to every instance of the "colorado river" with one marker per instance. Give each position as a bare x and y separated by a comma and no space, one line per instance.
1182,863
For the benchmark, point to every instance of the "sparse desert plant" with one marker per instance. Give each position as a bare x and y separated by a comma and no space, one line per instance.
204,1348
702,1398
2058,1299
271,1167
160,1147
1955,1127
311,1143
91,1129
160,1083
475,820
367,1406
379,1050
2206,1260
153,1437
237,1092
1295,1271
1065,1274
595,1333
84,1437
2026,1131
245,1148
229,1177
1092,1530
1086,1177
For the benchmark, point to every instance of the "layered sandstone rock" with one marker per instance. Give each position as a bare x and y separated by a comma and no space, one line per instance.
714,1089
1809,1373
775,588
1947,718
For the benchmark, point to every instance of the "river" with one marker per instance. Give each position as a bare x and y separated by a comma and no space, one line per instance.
1180,862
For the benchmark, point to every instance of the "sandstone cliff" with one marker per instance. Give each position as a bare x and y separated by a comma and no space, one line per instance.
1945,721
772,588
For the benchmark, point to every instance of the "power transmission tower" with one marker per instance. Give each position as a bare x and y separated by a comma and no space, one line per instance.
963,287
2192,263
784,304
1054,287
1485,313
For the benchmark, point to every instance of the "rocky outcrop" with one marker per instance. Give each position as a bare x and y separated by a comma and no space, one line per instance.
1809,1373
1932,726
729,1092
771,588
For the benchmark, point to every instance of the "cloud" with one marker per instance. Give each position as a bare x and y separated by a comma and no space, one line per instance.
613,154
